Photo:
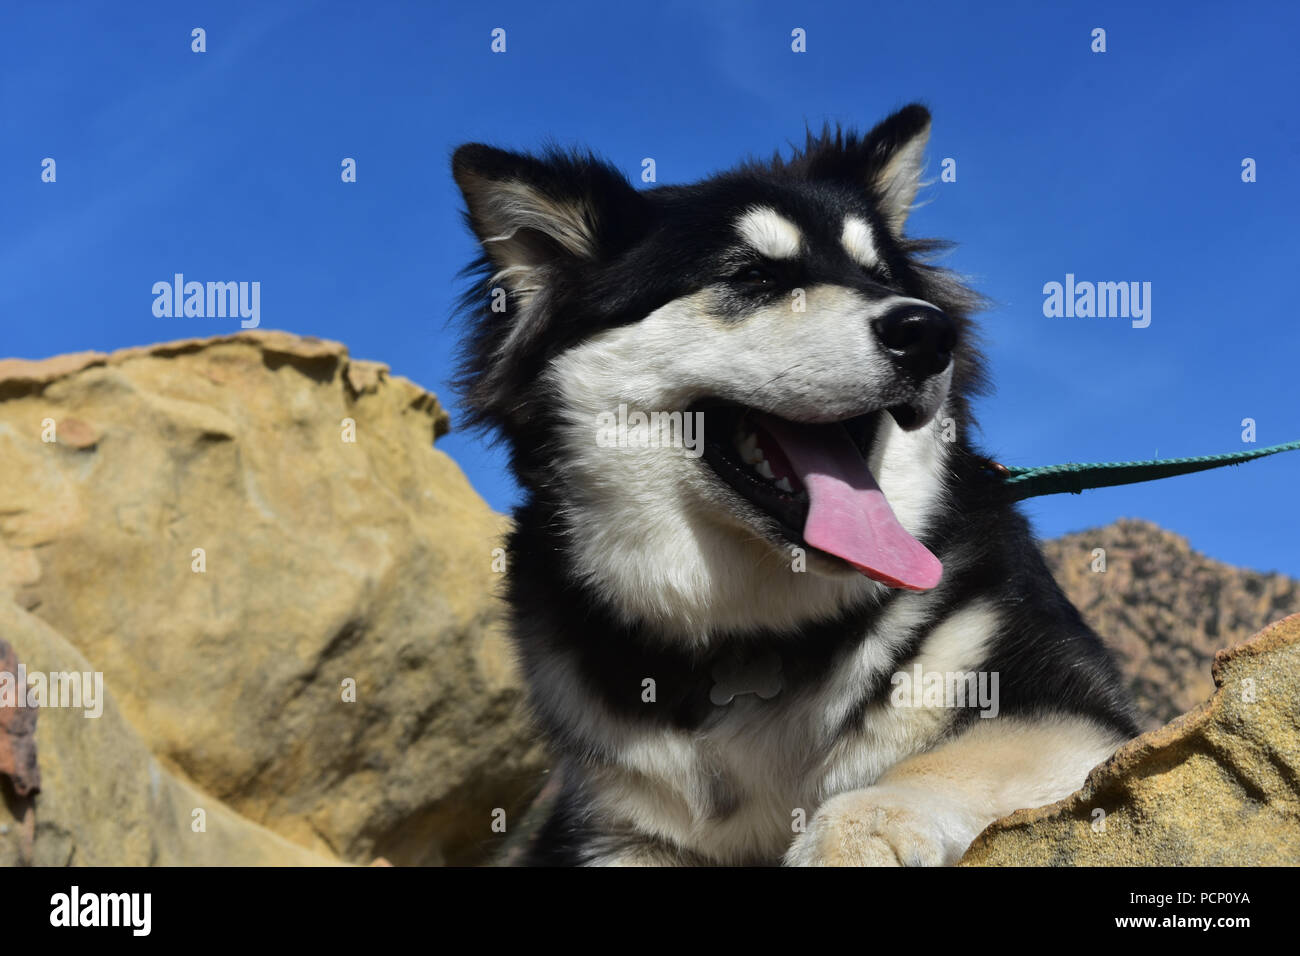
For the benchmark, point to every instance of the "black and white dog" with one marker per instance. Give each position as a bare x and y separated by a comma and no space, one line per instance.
822,634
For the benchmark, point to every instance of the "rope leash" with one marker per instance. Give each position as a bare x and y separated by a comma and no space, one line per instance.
1025,483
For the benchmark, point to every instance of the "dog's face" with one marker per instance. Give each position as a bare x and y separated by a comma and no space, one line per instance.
776,306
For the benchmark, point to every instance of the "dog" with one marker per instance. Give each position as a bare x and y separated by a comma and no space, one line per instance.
816,631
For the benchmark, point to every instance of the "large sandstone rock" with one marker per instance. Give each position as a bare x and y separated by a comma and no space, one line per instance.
104,800
1218,786
323,561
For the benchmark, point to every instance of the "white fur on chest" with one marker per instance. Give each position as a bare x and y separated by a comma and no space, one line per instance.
736,790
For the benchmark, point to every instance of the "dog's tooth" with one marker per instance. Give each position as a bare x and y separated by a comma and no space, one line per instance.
749,449
764,469
784,485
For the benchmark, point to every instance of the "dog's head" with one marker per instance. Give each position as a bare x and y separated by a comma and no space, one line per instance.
776,305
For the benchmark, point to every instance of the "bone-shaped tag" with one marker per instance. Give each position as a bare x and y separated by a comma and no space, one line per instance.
733,676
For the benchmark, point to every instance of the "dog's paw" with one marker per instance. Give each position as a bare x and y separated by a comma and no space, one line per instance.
880,826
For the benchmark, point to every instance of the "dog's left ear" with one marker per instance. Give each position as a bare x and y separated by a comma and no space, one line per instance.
887,162
895,151
533,215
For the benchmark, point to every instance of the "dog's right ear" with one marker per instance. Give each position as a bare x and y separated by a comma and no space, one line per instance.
538,219
537,214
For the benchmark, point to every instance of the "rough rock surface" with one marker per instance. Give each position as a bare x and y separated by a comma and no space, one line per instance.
1217,786
323,560
104,800
1165,609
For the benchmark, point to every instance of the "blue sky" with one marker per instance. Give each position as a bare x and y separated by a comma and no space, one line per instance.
1122,166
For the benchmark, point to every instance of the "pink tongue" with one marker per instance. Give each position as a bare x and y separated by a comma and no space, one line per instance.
848,515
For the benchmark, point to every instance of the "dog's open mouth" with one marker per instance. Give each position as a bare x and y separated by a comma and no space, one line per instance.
813,479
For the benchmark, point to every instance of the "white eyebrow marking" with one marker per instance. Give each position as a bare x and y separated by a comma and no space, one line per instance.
770,233
859,242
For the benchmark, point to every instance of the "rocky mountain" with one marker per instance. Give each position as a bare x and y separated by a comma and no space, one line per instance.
1164,608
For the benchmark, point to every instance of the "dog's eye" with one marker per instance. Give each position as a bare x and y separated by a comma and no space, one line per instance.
755,277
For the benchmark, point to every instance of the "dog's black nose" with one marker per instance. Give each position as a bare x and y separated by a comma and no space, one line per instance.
919,338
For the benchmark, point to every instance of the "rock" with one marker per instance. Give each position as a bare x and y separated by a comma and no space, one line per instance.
1219,786
195,519
104,801
1164,609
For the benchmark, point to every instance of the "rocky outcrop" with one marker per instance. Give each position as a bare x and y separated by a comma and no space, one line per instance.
1218,786
1165,609
287,588
103,800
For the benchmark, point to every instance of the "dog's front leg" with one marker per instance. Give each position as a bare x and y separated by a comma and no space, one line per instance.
926,810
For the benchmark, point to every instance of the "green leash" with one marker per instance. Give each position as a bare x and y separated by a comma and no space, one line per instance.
1025,483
